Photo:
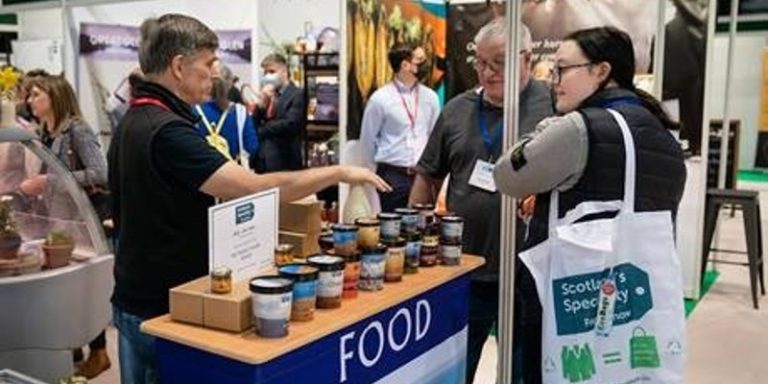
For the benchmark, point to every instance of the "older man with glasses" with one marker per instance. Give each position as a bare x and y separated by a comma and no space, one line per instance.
464,145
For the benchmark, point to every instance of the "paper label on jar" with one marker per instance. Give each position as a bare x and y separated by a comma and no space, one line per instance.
304,290
390,228
450,251
330,284
372,266
412,250
274,306
452,230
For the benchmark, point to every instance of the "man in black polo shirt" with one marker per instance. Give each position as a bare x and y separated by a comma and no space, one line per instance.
164,177
465,141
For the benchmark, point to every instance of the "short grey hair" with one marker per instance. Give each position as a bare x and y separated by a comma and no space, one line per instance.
498,28
170,35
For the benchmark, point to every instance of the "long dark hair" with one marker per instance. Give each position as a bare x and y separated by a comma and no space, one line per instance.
614,46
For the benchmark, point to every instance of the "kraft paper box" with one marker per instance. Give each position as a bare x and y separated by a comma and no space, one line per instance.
304,244
186,301
301,216
229,312
193,303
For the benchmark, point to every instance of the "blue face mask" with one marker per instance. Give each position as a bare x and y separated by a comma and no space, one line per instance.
271,78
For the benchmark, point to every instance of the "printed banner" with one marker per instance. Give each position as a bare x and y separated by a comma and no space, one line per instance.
373,27
464,22
109,53
420,341
552,20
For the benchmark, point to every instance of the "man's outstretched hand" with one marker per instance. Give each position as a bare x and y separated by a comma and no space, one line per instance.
360,175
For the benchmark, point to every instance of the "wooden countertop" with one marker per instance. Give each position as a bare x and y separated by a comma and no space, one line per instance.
249,348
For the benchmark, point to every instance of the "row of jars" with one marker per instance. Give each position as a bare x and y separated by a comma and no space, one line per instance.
364,257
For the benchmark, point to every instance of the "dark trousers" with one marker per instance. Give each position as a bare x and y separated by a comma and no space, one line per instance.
401,181
483,316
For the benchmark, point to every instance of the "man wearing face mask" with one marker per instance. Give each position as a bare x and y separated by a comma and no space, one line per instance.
280,117
397,122
225,125
465,144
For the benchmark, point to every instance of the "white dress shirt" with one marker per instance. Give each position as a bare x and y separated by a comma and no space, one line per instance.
389,133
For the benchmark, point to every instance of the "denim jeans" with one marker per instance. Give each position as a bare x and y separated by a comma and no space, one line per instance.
137,350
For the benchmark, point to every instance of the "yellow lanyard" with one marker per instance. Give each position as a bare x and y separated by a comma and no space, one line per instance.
214,137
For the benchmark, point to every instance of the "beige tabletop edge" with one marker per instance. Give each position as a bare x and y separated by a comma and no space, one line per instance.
249,348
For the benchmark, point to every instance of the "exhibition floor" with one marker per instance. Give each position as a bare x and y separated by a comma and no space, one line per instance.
726,336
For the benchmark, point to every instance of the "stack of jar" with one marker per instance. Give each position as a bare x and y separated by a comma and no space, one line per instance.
451,232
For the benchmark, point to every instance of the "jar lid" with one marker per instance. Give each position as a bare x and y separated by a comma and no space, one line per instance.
412,236
450,242
424,206
344,228
326,263
299,272
406,211
443,214
452,219
271,284
398,242
367,222
375,250
220,272
390,216
284,248
353,258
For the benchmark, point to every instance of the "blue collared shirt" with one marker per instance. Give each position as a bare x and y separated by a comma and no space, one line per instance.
387,134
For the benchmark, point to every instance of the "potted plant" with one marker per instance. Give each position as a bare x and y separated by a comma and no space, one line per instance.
58,249
10,241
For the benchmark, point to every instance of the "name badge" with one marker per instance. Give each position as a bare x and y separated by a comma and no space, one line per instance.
605,307
482,176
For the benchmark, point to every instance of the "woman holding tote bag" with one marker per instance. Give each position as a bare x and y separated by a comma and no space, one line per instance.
599,294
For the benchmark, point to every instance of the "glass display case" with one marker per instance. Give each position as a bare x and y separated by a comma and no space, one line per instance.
42,199
49,308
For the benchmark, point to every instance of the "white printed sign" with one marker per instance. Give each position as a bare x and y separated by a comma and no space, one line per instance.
242,234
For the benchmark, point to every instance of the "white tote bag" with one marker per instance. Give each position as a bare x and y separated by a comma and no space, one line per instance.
611,292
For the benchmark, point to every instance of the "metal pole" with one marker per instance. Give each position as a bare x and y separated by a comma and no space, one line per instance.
508,217
658,50
726,130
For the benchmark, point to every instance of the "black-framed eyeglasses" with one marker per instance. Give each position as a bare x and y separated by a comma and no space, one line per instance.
556,73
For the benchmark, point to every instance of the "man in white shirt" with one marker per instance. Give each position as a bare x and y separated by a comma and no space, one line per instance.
397,122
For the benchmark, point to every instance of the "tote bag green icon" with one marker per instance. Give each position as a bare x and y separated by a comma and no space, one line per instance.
643,351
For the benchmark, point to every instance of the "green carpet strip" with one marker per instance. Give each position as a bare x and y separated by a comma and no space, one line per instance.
709,279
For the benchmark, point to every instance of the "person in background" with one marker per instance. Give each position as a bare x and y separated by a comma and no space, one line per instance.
64,131
281,118
23,112
118,101
164,176
397,122
226,125
234,94
580,153
465,144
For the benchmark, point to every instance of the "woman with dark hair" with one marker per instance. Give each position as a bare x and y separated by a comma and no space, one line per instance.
580,153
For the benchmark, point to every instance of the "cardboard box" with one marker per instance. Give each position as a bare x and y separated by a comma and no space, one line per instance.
193,303
301,216
230,312
304,244
186,301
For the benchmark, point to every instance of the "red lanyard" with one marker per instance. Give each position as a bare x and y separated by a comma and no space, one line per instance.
411,116
149,101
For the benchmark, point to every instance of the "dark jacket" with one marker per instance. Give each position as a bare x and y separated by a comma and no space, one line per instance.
162,226
282,137
660,182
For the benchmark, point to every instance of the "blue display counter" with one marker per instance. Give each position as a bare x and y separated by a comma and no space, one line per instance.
414,331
